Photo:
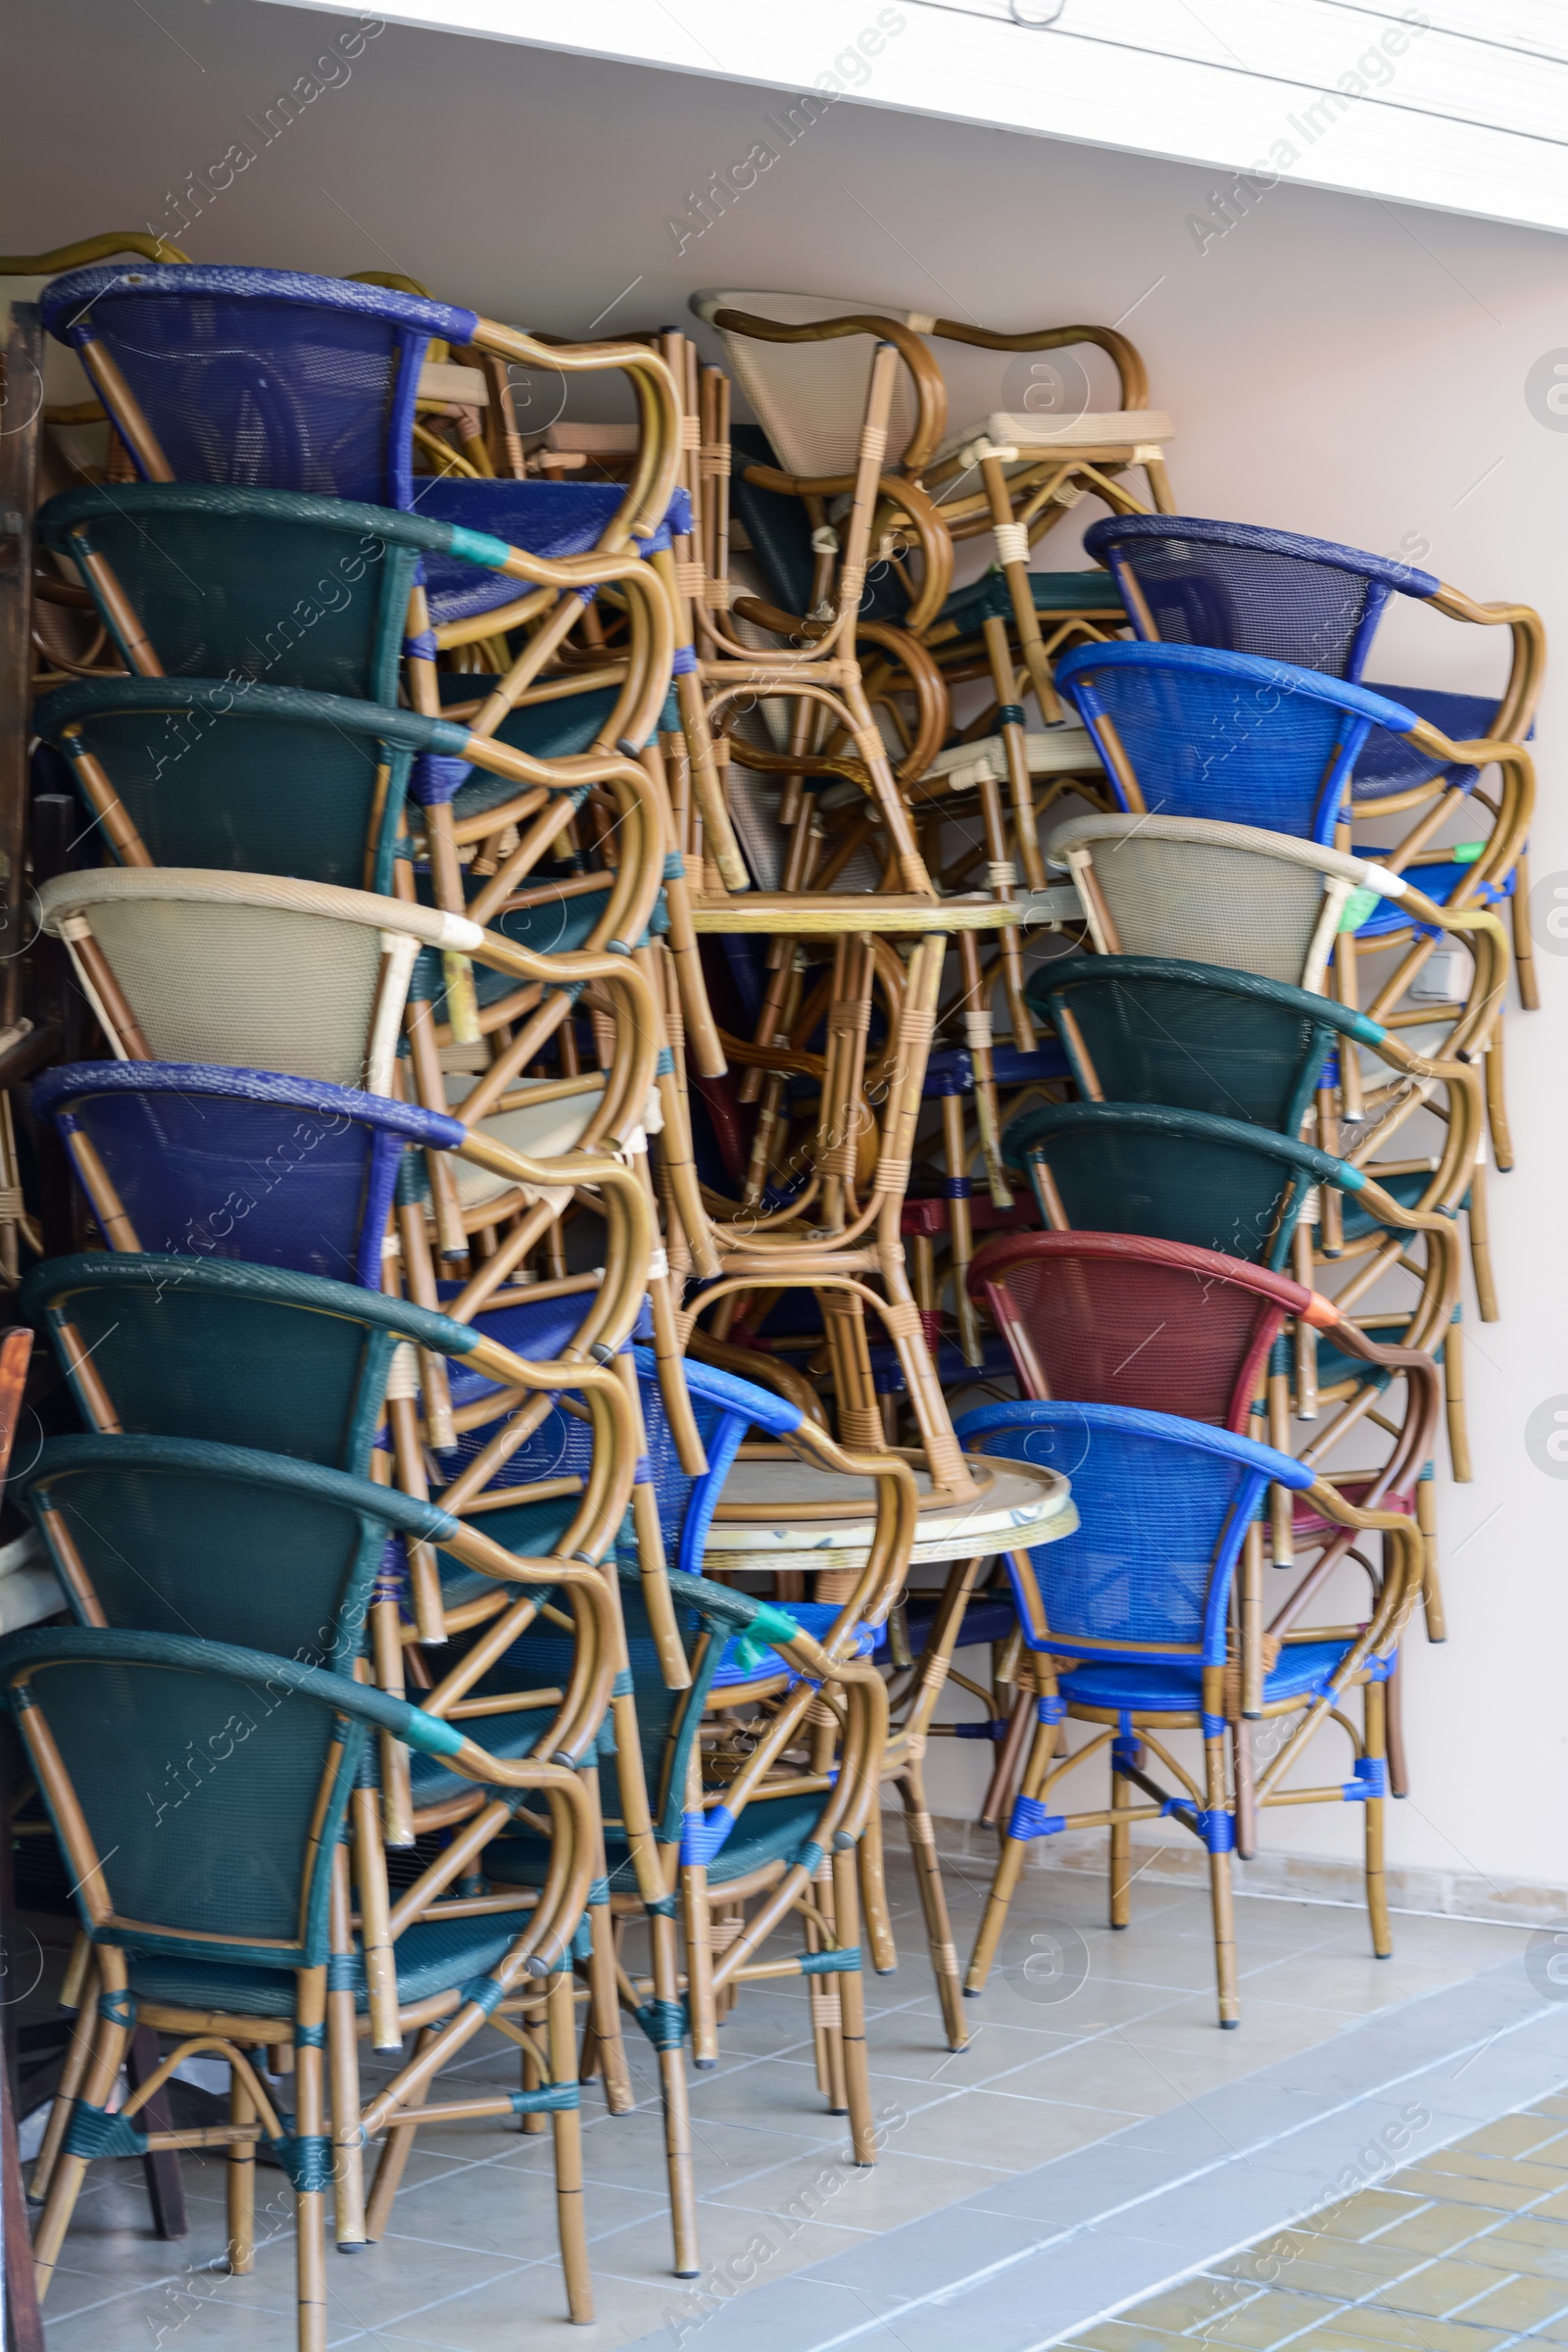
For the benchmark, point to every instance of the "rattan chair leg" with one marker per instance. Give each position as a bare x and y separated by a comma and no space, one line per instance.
1377,1892
348,2141
1426,1519
1120,1911
1480,1223
695,1915
827,2009
309,2122
240,2186
1453,1398
70,2074
1010,1757
851,2012
878,1919
1221,1893
956,1151
1009,1863
531,2077
1245,1790
1394,1728
107,2050
396,2149
1523,946
566,2126
677,2103
603,2044
1496,1101
933,1904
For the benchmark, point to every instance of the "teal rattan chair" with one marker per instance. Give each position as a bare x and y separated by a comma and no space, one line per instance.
218,1912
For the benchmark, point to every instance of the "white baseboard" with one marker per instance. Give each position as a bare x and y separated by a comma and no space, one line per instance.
1299,1877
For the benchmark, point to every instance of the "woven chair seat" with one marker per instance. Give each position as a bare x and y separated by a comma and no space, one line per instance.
776,1829
550,520
432,1956
740,1664
1173,1686
505,1736
1385,765
989,598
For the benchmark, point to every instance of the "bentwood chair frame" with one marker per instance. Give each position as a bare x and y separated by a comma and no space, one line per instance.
316,2155
1345,1657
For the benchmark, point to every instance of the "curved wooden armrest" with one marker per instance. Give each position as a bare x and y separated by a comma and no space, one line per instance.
1129,368
90,249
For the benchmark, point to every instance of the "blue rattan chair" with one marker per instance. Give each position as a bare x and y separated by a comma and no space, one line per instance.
1141,1600
216,1907
1248,589
276,379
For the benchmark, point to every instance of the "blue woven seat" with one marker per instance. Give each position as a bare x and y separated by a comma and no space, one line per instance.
1305,1670
550,520
771,1829
432,1956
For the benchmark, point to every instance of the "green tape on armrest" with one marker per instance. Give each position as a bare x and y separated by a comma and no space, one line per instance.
1368,1033
430,1735
1352,1179
477,547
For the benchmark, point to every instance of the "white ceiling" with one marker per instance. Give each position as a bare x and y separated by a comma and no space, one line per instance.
1461,106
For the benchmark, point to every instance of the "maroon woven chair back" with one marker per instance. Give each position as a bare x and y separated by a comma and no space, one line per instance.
1113,1318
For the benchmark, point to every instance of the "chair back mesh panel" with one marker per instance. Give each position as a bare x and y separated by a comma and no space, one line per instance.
1191,1040
245,595
183,1550
1179,1181
258,988
1247,597
268,395
209,1176
252,792
177,1361
810,398
1202,744
201,1804
1151,1518
1212,902
1130,1332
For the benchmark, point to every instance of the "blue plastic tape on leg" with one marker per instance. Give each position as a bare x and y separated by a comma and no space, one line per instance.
702,1835
1031,1819
1053,1710
1215,1727
980,1730
1371,1779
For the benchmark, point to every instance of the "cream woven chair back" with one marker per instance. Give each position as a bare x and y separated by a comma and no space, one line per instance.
1208,893
810,398
255,972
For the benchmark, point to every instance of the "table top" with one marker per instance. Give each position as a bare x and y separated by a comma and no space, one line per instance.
1022,1505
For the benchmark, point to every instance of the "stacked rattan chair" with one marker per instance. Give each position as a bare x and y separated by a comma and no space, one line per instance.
394,959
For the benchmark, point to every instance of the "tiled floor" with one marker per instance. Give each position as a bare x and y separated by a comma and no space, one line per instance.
1099,2139
1464,2250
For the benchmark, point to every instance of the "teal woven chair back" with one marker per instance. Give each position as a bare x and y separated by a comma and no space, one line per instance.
202,1792
177,1355
219,1542
261,780
1180,1176
1194,1036
250,584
